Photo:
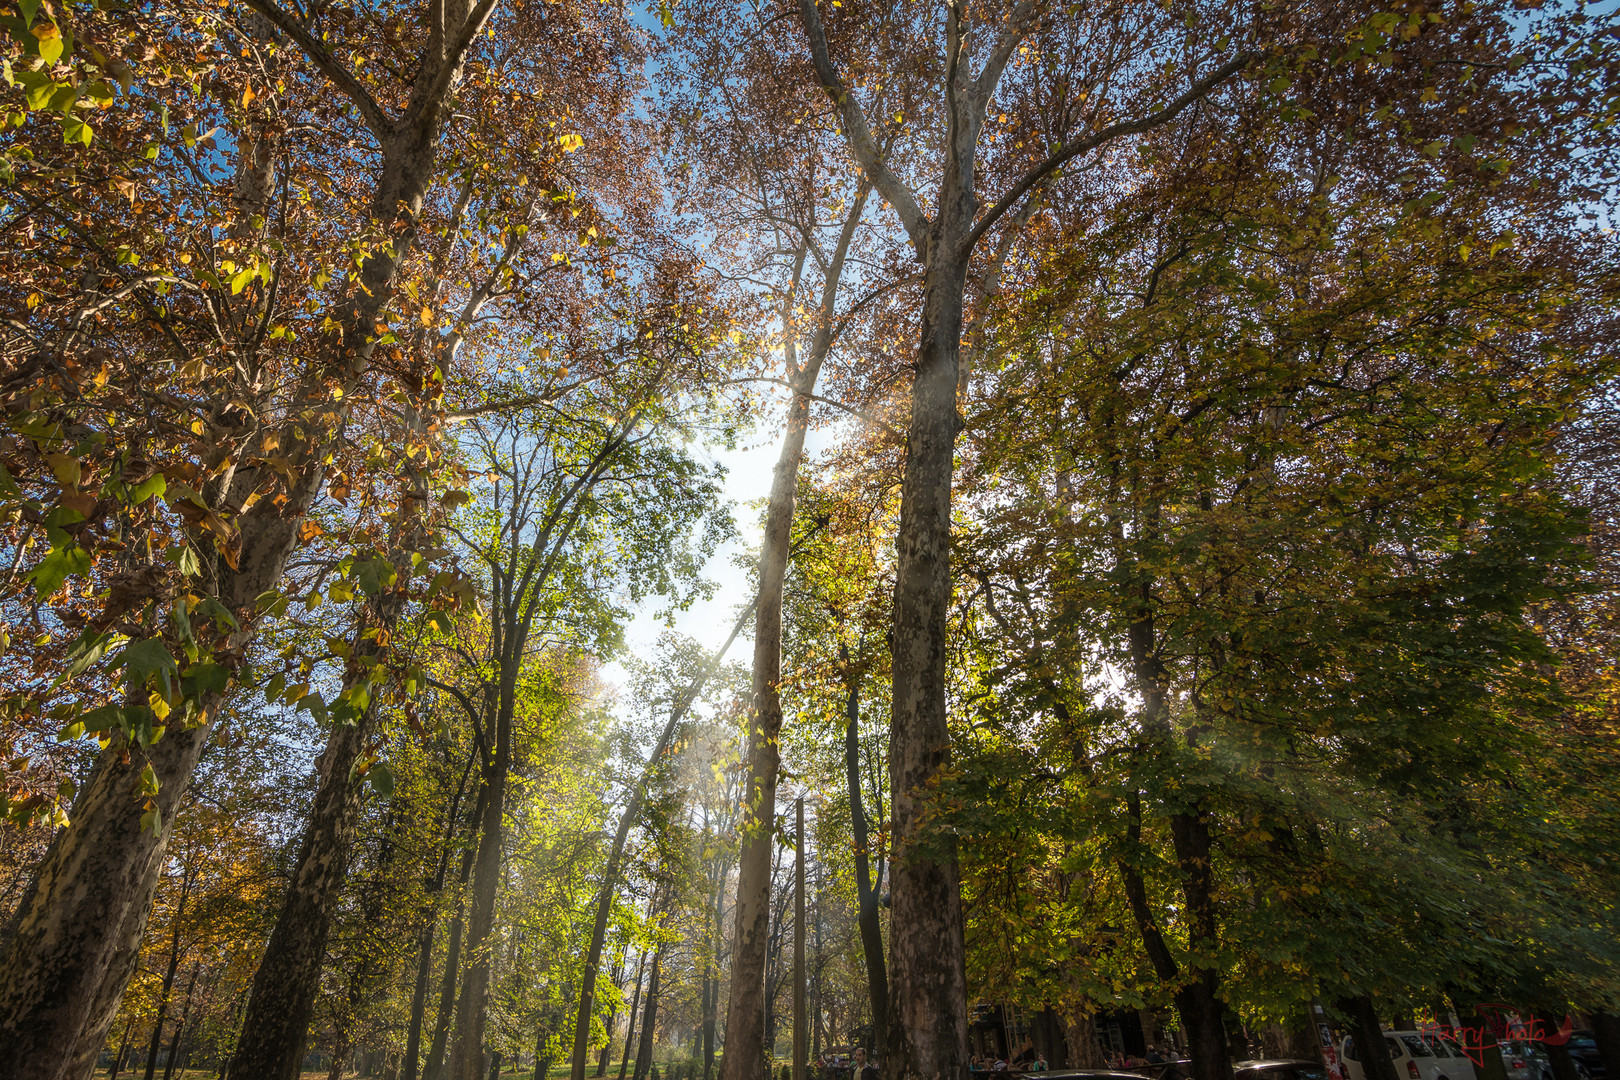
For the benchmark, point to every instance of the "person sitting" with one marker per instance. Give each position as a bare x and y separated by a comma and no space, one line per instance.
1154,1057
1039,1064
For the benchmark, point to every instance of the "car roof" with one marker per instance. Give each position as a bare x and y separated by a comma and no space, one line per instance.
1267,1062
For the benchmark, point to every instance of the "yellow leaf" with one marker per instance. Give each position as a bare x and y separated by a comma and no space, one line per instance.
34,300
159,707
427,315
247,97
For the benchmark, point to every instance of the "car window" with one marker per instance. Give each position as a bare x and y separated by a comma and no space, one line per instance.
1310,1072
1350,1049
1415,1046
1394,1047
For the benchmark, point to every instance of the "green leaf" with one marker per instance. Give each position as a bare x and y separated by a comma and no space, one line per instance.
206,678
57,566
374,575
153,485
88,650
381,779
75,130
50,42
314,705
37,88
190,566
147,660
149,780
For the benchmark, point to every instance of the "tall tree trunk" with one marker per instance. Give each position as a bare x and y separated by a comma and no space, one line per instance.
183,1026
606,1053
1080,1038
610,873
801,1045
630,1027
1198,996
746,1013
168,976
1376,1064
419,994
927,1015
466,1058
123,1048
452,955
447,989
866,890
649,1021
1606,1028
282,1000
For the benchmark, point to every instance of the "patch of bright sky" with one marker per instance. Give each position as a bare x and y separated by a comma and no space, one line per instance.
748,482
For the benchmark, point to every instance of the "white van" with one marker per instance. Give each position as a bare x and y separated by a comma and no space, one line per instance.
1418,1055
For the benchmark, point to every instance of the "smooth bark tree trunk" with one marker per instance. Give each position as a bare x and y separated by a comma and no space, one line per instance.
610,873
452,956
649,1021
747,1025
447,989
424,974
746,1014
866,890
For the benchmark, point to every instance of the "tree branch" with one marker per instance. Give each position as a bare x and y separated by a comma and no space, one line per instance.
860,133
376,119
1152,120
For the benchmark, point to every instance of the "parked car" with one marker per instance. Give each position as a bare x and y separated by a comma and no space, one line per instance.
1418,1055
1082,1074
1281,1069
1525,1060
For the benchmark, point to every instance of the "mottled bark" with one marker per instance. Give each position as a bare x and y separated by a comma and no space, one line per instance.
276,1024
